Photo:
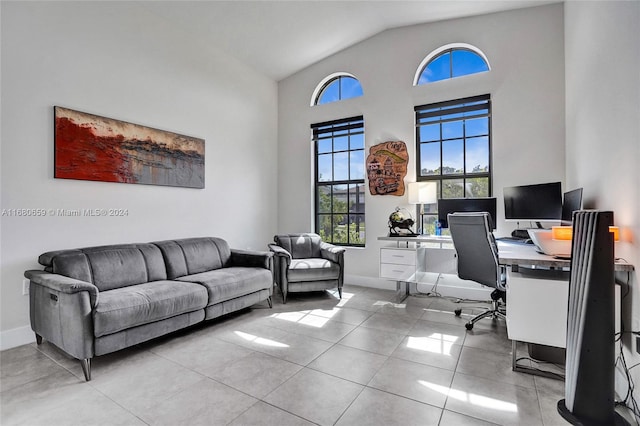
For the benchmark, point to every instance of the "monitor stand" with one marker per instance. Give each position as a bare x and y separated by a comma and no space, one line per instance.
520,233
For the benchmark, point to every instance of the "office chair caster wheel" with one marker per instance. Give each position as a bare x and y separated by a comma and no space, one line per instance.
458,312
468,326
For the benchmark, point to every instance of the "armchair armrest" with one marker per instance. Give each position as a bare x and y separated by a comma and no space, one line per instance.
332,252
63,284
280,252
258,259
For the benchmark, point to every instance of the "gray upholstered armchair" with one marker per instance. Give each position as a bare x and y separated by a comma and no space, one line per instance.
303,262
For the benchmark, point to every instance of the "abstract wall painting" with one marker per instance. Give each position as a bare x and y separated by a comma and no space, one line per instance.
90,147
387,167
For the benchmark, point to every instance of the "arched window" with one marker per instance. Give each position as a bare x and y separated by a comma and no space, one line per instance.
451,61
336,87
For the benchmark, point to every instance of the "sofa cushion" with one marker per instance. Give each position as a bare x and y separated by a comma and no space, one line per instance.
229,283
108,267
131,306
312,269
194,255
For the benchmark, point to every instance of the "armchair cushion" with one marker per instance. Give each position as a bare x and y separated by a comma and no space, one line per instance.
313,269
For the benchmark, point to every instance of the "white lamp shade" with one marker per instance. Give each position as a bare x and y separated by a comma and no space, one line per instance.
422,192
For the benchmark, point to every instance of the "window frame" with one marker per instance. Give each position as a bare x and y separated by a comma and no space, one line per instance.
443,109
328,81
449,48
353,126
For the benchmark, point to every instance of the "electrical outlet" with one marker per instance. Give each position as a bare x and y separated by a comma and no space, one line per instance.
25,287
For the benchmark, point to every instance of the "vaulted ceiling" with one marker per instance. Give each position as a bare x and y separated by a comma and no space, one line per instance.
279,38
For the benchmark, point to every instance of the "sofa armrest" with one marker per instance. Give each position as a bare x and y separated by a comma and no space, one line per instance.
332,252
63,284
258,259
61,312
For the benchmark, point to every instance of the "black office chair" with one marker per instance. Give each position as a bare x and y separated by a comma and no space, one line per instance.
477,254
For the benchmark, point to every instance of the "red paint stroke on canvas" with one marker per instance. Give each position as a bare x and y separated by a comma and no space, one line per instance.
80,154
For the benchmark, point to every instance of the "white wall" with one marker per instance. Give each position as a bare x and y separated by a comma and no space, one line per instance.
603,126
116,60
526,83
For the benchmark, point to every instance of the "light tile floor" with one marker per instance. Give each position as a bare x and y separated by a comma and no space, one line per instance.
362,360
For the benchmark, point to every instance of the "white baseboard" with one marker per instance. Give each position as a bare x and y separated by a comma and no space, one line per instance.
449,285
372,282
16,337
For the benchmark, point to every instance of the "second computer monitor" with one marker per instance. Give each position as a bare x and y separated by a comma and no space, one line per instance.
453,205
541,202
571,201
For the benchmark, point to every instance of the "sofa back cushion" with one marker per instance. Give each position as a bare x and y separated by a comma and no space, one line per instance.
194,255
108,267
301,246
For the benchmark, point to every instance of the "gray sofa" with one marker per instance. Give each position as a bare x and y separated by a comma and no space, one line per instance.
97,300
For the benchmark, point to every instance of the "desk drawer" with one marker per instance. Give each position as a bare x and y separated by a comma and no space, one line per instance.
398,256
397,272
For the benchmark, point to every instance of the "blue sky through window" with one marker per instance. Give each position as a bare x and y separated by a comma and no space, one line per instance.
452,63
339,88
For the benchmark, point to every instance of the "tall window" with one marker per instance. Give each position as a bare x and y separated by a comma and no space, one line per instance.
453,146
336,87
451,61
339,181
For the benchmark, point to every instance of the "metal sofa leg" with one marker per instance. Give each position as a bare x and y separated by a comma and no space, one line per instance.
340,292
270,302
284,297
86,368
38,339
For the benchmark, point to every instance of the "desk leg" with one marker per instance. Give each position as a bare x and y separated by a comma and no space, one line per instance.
402,295
529,370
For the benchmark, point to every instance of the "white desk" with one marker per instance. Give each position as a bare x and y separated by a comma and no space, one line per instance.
537,286
408,264
537,297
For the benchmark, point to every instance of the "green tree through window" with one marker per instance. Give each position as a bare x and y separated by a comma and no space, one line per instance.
453,147
339,181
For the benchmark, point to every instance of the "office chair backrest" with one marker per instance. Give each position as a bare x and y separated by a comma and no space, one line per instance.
476,248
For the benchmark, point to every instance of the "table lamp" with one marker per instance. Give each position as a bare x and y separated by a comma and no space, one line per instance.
565,233
421,193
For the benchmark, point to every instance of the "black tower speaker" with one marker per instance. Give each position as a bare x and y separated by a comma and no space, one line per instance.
589,382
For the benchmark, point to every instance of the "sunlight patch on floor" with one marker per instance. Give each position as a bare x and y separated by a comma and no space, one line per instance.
472,398
326,313
260,340
428,344
391,304
345,298
302,317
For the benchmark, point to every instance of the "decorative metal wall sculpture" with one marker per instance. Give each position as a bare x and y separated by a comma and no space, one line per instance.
90,147
387,167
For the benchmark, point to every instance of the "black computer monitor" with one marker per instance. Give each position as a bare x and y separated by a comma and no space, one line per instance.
541,202
571,201
452,205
